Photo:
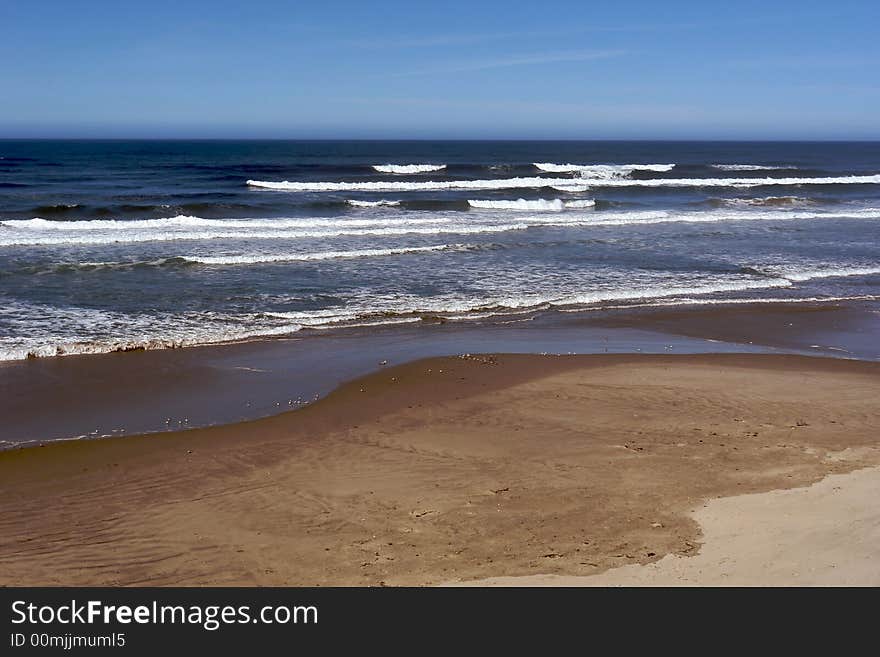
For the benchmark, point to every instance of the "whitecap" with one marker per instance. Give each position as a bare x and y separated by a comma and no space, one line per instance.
601,171
408,168
249,259
749,167
830,272
519,204
372,204
536,182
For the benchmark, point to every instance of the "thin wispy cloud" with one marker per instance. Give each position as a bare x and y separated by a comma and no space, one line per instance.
437,40
458,39
517,60
394,41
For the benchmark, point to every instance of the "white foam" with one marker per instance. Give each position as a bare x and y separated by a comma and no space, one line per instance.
50,331
536,182
372,204
748,167
830,272
744,182
406,186
114,237
408,168
648,217
571,189
320,316
61,331
540,204
304,257
689,301
766,200
40,232
601,171
652,217
185,221
483,307
660,292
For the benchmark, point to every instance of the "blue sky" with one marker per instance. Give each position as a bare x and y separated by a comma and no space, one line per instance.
494,69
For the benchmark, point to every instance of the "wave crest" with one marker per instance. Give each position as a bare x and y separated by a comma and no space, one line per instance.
523,205
537,182
371,204
766,201
408,168
832,272
537,205
324,255
571,189
39,232
601,171
749,167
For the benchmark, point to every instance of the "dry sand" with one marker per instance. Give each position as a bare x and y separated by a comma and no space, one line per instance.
827,534
461,469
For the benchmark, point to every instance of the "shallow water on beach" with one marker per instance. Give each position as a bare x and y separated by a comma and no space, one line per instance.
82,397
113,245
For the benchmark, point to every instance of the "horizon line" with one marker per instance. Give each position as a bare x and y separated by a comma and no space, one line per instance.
447,139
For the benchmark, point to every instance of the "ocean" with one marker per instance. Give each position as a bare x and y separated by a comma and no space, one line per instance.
118,245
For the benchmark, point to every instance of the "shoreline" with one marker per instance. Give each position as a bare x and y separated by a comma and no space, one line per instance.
438,470
156,391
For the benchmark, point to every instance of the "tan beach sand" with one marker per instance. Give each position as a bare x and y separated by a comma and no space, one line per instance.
827,534
457,469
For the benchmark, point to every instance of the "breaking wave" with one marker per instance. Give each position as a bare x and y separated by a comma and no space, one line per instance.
766,201
536,182
406,186
371,204
42,232
178,261
750,167
114,237
408,168
92,331
655,217
98,331
833,272
601,171
539,205
185,221
325,255
571,189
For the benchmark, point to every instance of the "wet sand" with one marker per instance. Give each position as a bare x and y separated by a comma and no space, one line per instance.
445,470
141,392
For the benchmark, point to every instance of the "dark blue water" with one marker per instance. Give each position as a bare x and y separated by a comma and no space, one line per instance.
119,244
